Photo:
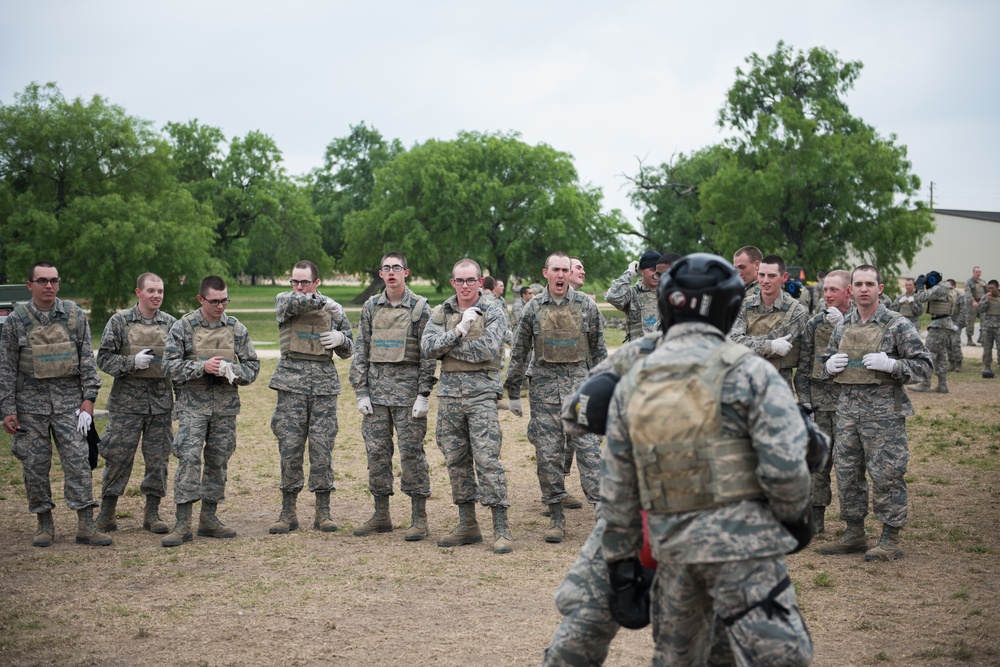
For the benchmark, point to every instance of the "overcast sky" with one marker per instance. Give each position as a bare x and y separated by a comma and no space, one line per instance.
608,82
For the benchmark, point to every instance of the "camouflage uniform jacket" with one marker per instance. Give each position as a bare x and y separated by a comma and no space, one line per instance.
939,292
960,313
390,384
974,291
208,394
751,289
303,376
50,396
552,382
759,344
756,404
874,402
820,394
898,304
624,296
438,341
133,395
992,321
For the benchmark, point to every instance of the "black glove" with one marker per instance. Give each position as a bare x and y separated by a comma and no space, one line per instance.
919,282
93,439
801,529
818,447
629,600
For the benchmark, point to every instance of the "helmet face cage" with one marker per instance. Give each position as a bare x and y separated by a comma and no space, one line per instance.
700,287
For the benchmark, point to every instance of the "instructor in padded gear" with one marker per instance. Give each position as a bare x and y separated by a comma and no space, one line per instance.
706,437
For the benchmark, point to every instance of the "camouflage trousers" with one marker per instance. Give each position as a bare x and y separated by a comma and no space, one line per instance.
545,432
991,340
118,447
820,494
299,418
213,436
376,429
970,324
691,601
880,448
937,343
468,435
34,450
955,355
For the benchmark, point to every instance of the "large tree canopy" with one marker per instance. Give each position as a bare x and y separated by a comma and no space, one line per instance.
491,197
799,176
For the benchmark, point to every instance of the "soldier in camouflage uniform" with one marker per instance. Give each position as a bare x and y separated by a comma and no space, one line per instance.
637,301
906,303
874,352
989,313
393,383
466,333
721,552
959,314
815,393
208,356
563,329
975,290
747,262
940,300
48,385
771,322
311,328
140,405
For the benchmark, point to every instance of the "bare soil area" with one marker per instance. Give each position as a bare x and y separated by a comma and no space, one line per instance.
309,598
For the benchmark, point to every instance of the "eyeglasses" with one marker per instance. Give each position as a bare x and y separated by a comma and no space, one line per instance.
466,281
45,281
215,303
300,283
395,268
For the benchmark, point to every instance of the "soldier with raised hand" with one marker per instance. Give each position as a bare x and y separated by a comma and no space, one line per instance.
48,385
989,312
975,290
873,353
637,301
140,405
208,356
467,334
906,303
559,339
940,300
311,329
393,382
718,485
747,262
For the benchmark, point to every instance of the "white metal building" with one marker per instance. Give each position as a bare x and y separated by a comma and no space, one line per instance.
961,240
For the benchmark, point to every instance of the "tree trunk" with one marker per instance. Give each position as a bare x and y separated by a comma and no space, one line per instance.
373,288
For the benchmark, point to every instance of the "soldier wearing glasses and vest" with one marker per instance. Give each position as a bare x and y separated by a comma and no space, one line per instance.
208,356
48,385
140,404
637,301
311,329
393,382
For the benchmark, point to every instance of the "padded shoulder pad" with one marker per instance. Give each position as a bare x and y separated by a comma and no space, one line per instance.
418,310
438,314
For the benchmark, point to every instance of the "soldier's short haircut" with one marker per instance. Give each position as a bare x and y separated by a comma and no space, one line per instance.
525,290
951,282
844,276
556,254
753,252
489,282
993,282
394,255
774,259
867,267
306,264
141,281
39,265
467,262
823,274
211,282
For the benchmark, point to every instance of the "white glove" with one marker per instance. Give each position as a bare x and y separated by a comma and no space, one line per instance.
906,299
332,339
365,405
226,371
83,422
837,363
143,358
781,346
834,316
468,317
421,407
878,361
634,267
515,406
333,307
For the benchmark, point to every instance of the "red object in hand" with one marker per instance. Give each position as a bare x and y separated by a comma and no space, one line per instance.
646,554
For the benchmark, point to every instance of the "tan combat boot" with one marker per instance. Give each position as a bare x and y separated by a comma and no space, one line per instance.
380,522
86,531
922,386
504,543
418,523
209,524
182,529
46,530
151,520
557,525
288,520
322,521
942,385
467,531
853,541
106,521
888,547
570,502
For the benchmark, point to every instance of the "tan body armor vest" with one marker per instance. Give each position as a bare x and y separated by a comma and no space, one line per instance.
762,324
299,337
561,338
821,340
643,314
993,306
857,341
51,351
394,338
449,363
944,306
208,343
978,290
142,336
684,461
908,309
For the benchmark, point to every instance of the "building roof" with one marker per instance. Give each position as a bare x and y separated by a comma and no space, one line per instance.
975,215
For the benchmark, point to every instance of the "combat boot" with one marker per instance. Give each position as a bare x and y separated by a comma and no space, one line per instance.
467,531
988,373
571,503
418,523
46,530
504,543
287,520
322,521
86,530
106,518
182,529
209,524
819,519
923,386
853,541
151,520
942,386
888,547
380,522
557,525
